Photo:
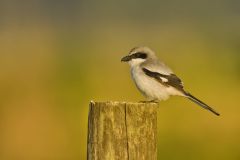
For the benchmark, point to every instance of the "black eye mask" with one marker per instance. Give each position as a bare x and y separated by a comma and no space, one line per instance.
139,55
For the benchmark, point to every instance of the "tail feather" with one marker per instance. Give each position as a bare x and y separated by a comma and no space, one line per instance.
200,103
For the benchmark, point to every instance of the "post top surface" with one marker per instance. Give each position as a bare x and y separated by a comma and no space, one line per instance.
124,103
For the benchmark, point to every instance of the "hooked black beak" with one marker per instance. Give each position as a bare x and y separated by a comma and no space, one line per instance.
126,59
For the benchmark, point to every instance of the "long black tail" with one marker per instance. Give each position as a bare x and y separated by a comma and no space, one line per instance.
200,103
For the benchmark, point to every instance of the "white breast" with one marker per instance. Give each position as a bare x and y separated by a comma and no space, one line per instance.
149,87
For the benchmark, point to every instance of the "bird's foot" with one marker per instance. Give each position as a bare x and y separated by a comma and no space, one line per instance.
151,101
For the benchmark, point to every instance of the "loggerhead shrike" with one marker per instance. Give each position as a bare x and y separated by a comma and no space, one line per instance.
154,79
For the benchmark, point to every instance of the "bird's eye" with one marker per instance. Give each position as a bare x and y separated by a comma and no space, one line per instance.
140,55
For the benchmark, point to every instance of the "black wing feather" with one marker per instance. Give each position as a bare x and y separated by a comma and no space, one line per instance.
175,82
172,79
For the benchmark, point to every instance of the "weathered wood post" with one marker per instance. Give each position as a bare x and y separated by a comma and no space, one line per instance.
122,131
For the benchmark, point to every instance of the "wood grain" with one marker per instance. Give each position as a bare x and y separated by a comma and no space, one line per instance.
122,131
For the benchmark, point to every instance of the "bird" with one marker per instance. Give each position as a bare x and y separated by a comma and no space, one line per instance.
155,80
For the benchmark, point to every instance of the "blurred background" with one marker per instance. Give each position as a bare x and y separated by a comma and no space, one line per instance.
56,56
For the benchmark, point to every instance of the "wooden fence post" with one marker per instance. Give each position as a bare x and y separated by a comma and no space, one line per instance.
122,131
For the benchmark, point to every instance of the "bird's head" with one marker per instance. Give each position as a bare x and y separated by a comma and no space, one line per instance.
138,55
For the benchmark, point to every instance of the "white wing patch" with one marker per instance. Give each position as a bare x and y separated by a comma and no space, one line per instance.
164,79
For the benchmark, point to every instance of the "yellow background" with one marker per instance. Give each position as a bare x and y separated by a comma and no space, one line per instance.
56,56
